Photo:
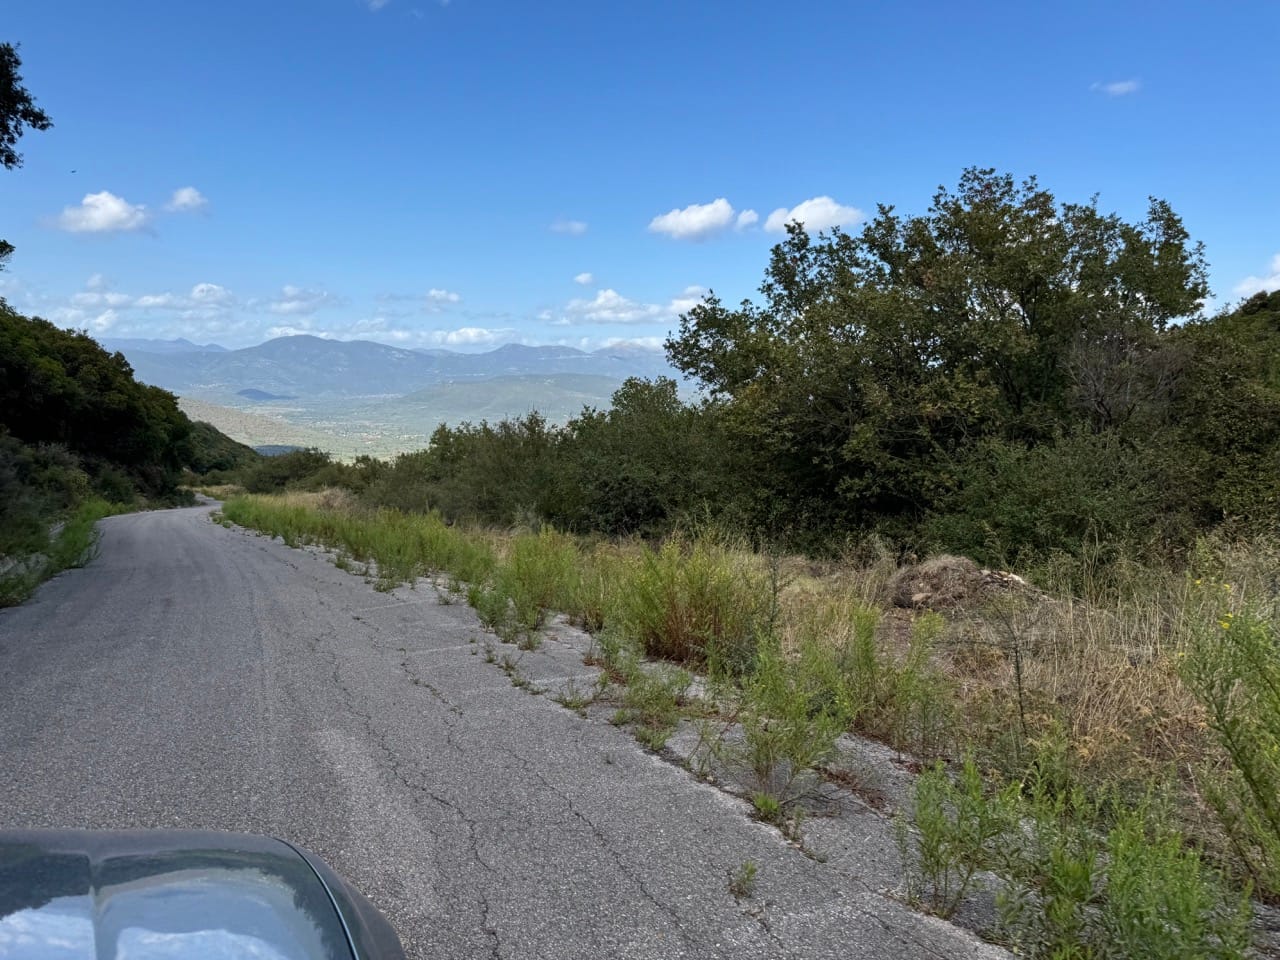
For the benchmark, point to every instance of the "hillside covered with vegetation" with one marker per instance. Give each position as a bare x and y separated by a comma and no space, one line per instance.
1006,377
79,438
1030,384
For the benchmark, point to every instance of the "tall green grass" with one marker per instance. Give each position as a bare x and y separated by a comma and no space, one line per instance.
797,662
72,546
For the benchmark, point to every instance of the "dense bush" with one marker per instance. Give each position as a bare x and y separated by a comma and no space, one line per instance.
1006,376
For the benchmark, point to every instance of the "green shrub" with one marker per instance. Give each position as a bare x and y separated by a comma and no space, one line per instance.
957,827
540,575
1234,669
1020,504
695,603
792,713
1069,886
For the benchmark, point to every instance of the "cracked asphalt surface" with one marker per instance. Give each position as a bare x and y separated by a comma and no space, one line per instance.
194,676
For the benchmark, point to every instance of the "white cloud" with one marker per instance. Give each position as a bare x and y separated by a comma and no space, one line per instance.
746,218
816,213
645,343
295,301
468,336
376,5
696,221
609,306
102,298
1117,88
575,228
1251,285
104,321
97,282
210,293
437,295
103,213
688,299
186,200
584,279
204,298
150,301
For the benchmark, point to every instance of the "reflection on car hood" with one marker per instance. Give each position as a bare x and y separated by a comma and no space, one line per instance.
147,895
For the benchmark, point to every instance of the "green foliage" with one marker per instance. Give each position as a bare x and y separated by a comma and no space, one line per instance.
875,359
644,462
60,387
72,546
297,469
487,473
17,111
742,882
695,602
791,715
540,576
651,700
1234,670
1070,886
1018,504
402,545
211,450
956,828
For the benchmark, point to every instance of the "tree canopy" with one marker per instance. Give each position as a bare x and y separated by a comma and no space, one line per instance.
876,360
17,111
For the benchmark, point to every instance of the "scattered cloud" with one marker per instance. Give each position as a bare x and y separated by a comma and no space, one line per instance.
696,221
295,301
574,228
376,5
1117,88
645,343
816,213
746,219
468,336
436,295
1251,285
210,293
103,213
186,200
689,298
584,279
609,306
203,298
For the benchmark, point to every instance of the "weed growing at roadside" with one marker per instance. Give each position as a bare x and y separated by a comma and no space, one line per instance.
692,603
742,882
790,719
1234,669
955,826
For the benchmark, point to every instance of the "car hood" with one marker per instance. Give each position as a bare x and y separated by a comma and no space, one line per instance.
155,895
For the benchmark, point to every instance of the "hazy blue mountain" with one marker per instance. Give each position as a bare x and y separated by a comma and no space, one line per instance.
128,345
311,368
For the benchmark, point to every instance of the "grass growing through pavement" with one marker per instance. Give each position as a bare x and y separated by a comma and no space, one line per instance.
1151,690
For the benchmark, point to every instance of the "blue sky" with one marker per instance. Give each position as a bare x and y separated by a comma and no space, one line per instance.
472,172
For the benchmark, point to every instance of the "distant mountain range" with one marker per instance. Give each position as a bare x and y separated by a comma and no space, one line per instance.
312,368
355,396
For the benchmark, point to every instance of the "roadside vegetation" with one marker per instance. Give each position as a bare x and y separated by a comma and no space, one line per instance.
818,546
80,438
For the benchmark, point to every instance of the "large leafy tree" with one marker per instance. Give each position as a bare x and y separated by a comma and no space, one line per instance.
874,358
17,111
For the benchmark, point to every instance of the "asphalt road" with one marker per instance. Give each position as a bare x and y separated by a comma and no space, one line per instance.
194,676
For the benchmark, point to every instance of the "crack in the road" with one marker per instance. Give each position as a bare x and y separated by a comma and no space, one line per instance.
603,840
